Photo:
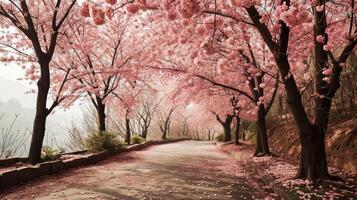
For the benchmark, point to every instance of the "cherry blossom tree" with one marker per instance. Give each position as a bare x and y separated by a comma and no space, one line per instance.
211,131
100,62
145,113
290,31
296,33
164,122
127,103
32,31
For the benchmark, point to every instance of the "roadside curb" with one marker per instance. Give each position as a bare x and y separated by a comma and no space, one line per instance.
25,174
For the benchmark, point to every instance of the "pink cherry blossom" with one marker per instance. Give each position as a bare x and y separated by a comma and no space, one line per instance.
327,72
328,47
111,2
98,16
85,10
133,8
320,39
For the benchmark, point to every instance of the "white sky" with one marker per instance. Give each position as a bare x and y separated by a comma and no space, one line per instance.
12,72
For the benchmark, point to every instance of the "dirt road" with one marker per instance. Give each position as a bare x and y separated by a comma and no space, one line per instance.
184,170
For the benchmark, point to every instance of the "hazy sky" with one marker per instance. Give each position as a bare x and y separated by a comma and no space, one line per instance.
12,72
12,88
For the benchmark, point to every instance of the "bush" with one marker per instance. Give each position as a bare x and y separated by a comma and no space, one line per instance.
220,138
101,141
48,153
137,139
252,132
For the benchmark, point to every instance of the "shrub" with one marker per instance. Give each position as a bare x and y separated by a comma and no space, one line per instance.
252,132
101,141
48,153
220,138
137,139
77,137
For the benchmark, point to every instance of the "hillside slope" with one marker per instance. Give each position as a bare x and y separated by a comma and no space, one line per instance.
341,142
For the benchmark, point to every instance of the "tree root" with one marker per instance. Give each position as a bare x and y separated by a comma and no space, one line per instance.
263,154
335,178
317,181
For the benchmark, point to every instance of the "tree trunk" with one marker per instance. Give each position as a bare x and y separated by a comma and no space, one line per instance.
39,126
237,130
101,115
262,145
144,133
313,164
227,128
227,132
164,135
127,129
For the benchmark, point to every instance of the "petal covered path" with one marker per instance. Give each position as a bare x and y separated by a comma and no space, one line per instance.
184,170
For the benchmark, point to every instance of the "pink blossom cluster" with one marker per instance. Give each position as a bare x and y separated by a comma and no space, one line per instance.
111,2
98,14
188,8
294,15
244,3
327,72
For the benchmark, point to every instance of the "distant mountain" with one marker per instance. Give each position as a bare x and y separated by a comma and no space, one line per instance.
15,102
12,109
20,119
14,90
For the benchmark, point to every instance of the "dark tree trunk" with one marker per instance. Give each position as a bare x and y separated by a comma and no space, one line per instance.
313,163
101,115
226,126
237,130
144,133
39,126
165,126
227,133
164,135
262,145
127,129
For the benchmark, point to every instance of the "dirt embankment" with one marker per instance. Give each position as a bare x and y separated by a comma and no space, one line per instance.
341,142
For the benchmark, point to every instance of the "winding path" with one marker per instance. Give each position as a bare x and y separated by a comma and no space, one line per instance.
184,170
